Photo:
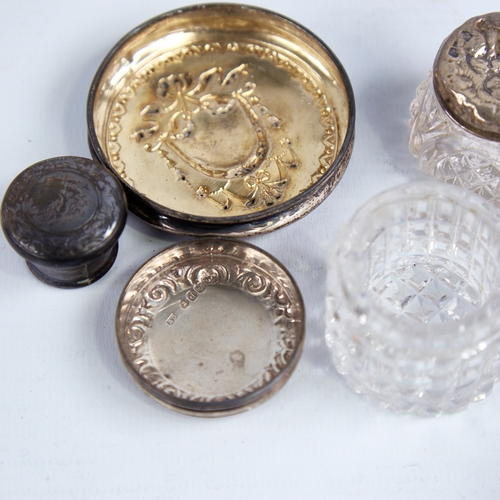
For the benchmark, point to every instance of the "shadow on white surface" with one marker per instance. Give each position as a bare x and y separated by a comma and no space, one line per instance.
386,109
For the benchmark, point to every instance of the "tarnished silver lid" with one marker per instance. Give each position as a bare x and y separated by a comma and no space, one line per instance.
64,216
467,75
211,327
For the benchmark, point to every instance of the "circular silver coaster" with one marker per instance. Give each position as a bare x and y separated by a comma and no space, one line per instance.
211,327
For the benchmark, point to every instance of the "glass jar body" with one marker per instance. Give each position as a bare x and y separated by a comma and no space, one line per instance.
413,309
447,151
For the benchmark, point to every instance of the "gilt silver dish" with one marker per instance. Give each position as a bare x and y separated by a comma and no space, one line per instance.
222,119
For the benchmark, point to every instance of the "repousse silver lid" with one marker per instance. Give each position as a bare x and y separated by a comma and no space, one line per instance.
222,119
211,327
467,75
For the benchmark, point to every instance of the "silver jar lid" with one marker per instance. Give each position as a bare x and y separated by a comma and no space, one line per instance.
467,75
211,327
222,119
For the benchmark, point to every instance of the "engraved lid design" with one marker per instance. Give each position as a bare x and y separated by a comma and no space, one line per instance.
63,211
222,119
211,327
467,75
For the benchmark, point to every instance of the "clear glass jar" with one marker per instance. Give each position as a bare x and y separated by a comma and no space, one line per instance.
413,301
455,124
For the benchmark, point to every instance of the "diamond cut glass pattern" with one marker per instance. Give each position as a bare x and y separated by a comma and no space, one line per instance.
413,303
448,152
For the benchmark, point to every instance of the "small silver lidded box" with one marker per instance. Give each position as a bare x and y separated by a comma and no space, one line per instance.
455,123
64,216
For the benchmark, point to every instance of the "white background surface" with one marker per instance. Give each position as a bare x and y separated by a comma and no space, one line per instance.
73,425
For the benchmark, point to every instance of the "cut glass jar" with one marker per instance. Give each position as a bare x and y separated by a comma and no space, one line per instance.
455,124
413,302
